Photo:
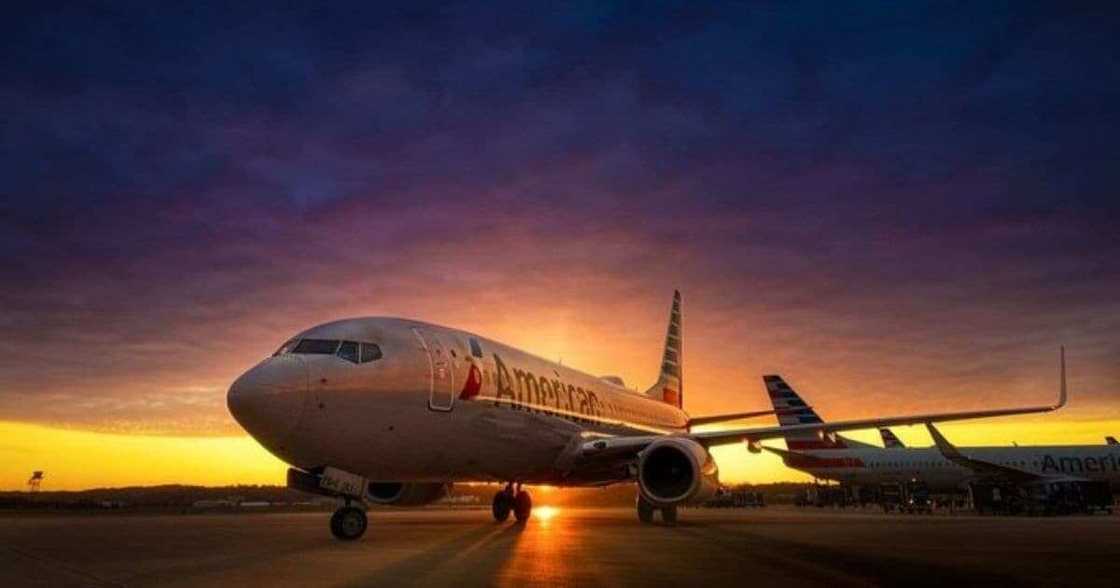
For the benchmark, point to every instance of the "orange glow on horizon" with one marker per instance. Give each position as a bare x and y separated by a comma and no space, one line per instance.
75,460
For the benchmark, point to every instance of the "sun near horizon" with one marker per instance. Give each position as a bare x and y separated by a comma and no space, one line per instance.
82,460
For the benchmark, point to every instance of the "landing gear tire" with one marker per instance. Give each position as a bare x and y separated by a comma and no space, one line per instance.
522,506
645,510
348,523
502,505
669,515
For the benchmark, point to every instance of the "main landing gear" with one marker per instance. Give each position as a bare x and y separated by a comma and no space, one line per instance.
348,522
507,500
646,510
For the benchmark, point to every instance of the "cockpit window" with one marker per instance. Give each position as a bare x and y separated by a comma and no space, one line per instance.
286,347
476,349
348,351
316,346
370,352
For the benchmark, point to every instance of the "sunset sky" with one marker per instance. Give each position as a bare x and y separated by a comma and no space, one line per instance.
898,207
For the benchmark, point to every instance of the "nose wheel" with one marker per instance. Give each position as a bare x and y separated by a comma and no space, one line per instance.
502,505
348,523
522,506
646,511
508,500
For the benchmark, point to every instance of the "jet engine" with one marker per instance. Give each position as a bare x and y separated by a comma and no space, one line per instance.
672,471
406,493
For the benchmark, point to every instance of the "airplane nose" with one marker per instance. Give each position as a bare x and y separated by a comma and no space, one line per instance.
267,401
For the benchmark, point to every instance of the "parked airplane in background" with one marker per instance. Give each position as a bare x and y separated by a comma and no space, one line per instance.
871,466
890,441
390,411
1027,466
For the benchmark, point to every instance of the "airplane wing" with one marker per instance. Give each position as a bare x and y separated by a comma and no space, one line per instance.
735,416
986,468
634,444
755,435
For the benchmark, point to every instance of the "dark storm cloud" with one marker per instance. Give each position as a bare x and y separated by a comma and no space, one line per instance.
930,183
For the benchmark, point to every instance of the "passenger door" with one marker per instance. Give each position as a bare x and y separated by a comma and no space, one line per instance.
441,395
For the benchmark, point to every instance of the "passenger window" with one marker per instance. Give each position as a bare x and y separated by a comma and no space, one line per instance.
316,347
348,351
370,352
476,349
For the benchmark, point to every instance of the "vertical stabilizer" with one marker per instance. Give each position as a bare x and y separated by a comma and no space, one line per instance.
792,410
670,386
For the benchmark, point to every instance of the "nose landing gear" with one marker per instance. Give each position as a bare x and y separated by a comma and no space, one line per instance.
508,500
348,522
502,505
646,509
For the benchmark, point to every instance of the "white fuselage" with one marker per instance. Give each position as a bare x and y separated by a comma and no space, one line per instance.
871,466
438,405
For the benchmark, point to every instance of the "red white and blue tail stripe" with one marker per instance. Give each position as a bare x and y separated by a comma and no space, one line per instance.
670,382
792,410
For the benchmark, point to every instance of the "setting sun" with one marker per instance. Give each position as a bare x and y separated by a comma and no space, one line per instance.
545,513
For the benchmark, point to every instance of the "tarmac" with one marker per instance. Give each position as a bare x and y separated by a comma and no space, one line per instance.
574,547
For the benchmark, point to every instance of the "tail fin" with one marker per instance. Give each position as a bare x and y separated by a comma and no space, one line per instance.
890,441
792,410
670,384
1111,440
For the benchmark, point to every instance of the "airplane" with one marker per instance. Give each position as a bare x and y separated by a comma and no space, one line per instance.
890,440
1110,440
1039,484
385,410
872,465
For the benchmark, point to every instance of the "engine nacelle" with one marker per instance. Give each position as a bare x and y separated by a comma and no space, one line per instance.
673,471
406,493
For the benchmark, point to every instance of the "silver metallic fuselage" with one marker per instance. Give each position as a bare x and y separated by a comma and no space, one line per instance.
419,413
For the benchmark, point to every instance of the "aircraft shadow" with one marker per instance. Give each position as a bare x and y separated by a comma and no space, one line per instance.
474,557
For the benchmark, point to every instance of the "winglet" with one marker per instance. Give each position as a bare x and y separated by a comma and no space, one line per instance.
947,449
1064,395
